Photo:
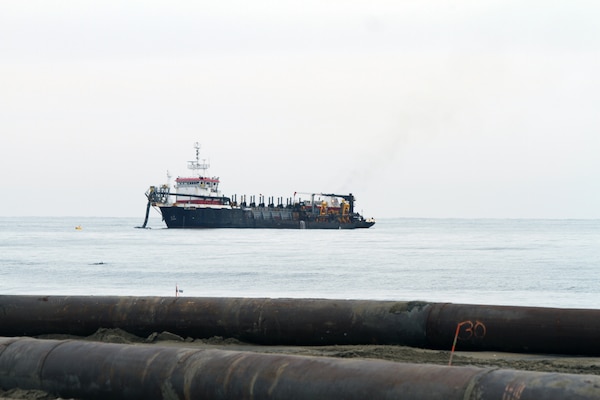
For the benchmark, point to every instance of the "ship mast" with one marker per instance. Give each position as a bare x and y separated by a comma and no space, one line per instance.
197,165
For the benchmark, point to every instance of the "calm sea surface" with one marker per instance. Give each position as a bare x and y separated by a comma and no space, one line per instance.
551,263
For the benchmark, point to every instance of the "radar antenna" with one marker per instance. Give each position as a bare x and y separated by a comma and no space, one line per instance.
196,164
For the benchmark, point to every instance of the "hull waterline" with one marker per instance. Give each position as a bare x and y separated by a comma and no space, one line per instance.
267,218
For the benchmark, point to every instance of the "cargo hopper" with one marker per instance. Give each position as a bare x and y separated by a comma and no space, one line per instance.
197,202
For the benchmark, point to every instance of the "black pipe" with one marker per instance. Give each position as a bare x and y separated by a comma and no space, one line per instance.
147,214
93,370
312,321
264,321
514,329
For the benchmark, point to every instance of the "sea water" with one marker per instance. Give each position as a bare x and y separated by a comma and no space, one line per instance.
549,263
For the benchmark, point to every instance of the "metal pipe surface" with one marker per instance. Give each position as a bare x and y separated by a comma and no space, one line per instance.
263,321
514,329
92,370
312,321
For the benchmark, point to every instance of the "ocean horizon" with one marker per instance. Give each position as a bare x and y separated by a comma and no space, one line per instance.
523,262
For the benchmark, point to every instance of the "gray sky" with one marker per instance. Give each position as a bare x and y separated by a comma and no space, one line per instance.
420,108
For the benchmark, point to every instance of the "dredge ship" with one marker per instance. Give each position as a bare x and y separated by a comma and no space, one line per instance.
197,202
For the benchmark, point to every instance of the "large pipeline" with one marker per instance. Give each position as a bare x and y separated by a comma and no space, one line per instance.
312,321
92,370
515,329
262,321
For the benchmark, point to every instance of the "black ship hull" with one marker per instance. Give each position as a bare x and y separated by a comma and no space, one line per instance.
258,217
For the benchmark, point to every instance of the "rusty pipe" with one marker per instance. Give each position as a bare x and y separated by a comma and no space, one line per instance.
263,321
514,329
312,321
93,370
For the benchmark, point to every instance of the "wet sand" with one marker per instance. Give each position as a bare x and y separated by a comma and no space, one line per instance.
528,362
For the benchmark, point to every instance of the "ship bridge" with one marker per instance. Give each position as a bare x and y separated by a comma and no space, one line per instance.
197,189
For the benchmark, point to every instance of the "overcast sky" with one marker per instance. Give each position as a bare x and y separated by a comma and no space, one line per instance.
420,108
